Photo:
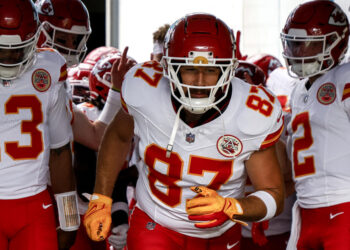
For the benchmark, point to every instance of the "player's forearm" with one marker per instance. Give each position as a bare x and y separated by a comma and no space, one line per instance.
254,209
87,133
111,158
61,171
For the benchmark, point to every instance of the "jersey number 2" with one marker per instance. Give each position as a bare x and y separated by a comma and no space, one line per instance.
302,143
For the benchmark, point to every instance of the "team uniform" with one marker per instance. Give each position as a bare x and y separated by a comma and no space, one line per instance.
34,119
278,228
320,155
211,154
281,84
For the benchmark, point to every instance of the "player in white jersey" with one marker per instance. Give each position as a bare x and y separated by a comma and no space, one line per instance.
315,39
281,84
35,137
197,135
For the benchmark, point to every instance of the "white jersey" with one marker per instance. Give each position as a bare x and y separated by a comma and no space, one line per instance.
212,154
320,139
34,119
281,84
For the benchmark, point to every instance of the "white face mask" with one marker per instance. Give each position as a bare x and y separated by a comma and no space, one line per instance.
197,105
305,69
71,59
9,73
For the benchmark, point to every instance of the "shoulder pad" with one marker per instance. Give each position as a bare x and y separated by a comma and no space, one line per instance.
260,111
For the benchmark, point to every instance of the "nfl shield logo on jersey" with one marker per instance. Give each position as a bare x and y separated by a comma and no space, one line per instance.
229,146
190,137
41,80
326,93
6,83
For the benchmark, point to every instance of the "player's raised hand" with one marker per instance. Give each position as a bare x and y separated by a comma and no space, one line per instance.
120,67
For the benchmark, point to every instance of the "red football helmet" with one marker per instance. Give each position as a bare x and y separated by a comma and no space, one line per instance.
267,63
255,73
19,32
199,40
100,78
315,38
78,78
66,27
95,55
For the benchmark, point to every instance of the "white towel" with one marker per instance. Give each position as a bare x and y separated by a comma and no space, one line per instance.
296,226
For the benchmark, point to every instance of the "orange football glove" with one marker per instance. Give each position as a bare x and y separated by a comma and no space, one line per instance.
97,219
212,208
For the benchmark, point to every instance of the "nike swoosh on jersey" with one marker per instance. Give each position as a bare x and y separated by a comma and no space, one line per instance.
46,206
332,216
231,246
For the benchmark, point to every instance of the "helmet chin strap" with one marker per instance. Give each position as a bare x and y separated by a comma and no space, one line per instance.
169,147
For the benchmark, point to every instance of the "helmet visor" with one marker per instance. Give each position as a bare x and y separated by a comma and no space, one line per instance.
303,47
68,43
15,55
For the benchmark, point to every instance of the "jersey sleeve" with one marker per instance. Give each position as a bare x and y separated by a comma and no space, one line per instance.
275,122
275,133
346,98
140,79
127,88
60,114
139,88
59,121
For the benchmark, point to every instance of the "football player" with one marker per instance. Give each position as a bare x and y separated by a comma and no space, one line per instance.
35,137
320,106
66,27
197,143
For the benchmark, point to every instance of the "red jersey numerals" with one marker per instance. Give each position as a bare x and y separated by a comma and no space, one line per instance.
173,170
174,164
255,102
308,166
151,80
12,107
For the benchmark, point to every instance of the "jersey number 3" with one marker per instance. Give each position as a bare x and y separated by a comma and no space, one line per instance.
12,107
